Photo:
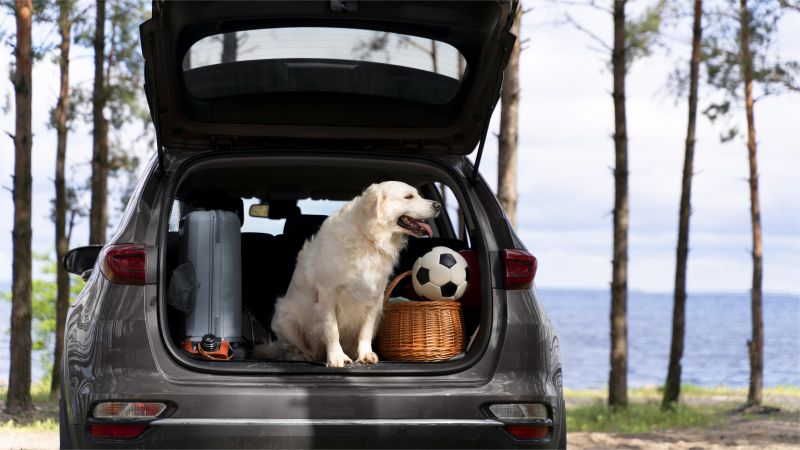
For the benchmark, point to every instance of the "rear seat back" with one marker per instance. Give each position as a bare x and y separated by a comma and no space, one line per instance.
296,231
268,263
258,291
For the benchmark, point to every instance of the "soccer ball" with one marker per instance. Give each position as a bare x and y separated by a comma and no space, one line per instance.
440,274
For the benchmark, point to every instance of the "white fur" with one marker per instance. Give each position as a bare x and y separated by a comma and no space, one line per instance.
333,306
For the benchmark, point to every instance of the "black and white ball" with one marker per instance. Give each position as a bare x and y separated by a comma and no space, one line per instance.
440,274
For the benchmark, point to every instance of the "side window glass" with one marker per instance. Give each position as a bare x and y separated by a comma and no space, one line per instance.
175,215
454,212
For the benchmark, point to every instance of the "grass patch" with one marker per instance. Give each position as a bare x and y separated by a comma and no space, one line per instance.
34,425
688,390
40,393
44,418
640,417
587,410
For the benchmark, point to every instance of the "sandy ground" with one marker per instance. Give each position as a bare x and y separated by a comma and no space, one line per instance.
775,431
28,440
761,433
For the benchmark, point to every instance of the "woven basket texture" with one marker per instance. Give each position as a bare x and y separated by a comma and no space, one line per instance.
419,331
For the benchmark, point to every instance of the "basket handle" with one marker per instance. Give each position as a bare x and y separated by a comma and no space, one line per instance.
388,292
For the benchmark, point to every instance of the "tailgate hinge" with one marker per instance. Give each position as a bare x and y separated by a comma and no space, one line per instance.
223,145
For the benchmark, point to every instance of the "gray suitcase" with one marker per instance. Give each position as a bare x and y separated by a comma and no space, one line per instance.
211,241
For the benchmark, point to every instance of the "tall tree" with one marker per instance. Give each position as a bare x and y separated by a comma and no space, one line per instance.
739,57
19,375
98,217
230,47
756,344
632,39
509,130
65,23
117,102
618,376
672,388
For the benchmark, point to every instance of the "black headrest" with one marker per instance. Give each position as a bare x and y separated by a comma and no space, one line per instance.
255,242
304,225
220,200
281,209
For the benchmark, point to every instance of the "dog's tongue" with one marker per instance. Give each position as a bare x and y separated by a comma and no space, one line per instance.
427,228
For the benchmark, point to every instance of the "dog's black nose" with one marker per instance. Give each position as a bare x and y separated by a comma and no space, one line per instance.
437,206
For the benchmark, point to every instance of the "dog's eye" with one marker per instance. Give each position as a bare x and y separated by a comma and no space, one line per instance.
409,196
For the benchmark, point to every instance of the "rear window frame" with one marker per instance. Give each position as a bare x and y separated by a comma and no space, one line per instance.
367,65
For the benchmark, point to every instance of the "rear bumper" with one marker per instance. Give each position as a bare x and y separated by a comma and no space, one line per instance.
323,433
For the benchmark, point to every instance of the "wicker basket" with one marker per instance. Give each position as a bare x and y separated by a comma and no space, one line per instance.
420,331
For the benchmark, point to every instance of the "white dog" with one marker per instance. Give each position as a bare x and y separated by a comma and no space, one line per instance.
335,299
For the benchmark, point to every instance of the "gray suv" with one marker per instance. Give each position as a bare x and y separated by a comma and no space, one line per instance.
281,112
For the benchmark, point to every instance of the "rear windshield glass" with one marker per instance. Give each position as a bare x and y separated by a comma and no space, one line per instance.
323,60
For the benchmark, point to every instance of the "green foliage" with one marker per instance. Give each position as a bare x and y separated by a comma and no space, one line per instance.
125,64
642,33
725,67
44,307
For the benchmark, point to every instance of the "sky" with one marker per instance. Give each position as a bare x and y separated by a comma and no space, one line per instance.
565,158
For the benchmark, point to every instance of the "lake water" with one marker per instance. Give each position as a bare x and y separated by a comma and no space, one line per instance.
717,330
715,352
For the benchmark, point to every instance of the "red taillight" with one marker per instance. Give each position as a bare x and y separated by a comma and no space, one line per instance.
124,263
116,431
520,269
528,431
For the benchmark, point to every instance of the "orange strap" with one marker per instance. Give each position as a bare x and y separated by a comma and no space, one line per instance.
223,344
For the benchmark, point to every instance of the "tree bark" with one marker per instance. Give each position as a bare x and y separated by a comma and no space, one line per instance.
62,244
756,343
509,129
618,376
98,217
672,389
19,375
230,46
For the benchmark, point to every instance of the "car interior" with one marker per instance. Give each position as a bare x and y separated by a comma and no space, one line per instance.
279,209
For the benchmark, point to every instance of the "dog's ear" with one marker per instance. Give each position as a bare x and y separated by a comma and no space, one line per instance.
375,203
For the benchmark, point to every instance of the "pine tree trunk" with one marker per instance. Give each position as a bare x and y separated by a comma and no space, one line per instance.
672,389
62,244
230,46
19,400
618,376
509,129
434,57
99,211
756,343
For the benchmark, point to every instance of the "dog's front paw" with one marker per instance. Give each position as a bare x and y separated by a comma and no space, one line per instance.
338,359
368,358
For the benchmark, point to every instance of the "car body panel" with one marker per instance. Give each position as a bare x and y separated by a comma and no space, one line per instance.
479,30
115,350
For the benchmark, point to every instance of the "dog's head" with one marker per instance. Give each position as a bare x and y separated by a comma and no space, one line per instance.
398,207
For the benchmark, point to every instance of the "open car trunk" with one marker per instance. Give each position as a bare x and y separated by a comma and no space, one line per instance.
280,202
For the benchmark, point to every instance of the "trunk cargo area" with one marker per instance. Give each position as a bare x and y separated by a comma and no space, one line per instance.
266,208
